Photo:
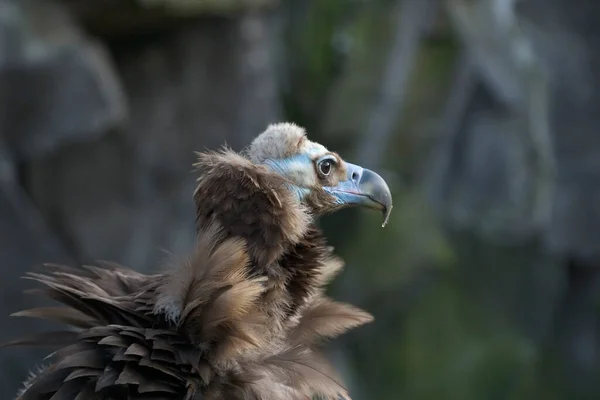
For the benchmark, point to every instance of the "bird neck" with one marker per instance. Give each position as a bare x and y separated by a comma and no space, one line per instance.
253,202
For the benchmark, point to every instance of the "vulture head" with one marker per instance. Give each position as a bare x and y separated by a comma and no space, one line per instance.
318,177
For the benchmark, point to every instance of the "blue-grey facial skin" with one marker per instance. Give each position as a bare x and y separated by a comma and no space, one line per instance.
364,188
293,168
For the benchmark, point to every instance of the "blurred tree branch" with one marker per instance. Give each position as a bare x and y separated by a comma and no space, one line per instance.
413,18
438,164
504,58
503,141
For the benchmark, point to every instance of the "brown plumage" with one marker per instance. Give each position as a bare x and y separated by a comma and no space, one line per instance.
241,318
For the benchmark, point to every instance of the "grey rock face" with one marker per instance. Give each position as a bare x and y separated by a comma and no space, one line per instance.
60,87
56,88
25,243
97,142
128,196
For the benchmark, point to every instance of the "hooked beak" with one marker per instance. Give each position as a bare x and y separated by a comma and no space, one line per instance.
363,188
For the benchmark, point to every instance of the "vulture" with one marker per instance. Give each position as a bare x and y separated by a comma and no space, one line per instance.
243,316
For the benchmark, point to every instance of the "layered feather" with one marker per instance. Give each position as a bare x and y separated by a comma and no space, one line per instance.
201,327
241,318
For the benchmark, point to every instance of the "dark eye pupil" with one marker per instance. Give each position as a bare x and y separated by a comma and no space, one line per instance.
325,167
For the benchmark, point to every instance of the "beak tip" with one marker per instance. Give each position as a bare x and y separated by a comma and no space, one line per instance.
386,215
378,191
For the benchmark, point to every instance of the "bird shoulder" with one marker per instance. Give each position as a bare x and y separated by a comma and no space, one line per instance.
250,201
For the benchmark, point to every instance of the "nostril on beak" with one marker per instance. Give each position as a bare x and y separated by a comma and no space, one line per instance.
355,176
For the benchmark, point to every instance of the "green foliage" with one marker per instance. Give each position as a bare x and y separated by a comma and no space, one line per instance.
352,93
391,256
452,351
312,59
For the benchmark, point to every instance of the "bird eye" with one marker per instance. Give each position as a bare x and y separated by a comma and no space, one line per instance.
325,167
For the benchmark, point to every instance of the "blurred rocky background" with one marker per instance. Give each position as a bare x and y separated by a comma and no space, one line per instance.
483,114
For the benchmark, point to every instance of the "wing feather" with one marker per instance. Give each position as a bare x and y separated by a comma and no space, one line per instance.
326,319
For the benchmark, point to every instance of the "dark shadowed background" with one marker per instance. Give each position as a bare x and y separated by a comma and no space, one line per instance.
483,115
